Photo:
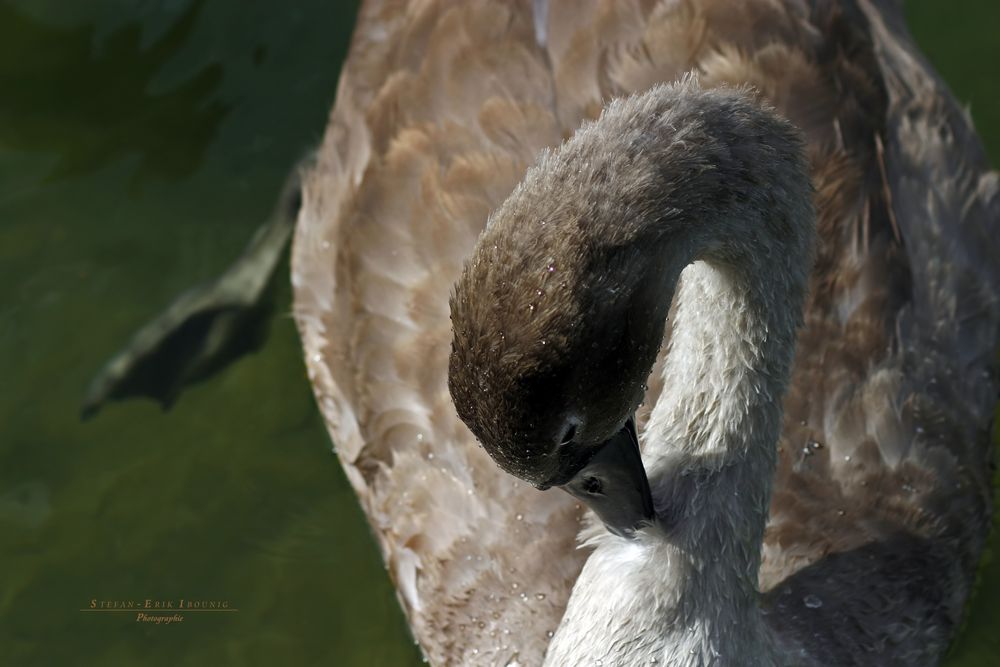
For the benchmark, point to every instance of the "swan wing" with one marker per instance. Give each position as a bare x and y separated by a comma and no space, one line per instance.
887,419
441,106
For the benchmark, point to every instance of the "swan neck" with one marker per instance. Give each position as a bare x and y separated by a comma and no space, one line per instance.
723,233
710,456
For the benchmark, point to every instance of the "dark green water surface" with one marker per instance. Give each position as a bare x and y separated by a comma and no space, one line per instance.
141,142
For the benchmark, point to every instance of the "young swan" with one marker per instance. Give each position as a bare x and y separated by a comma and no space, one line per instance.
557,321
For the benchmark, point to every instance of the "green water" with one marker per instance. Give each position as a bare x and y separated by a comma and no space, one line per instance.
140,144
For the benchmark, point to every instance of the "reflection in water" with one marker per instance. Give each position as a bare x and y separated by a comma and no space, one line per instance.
106,105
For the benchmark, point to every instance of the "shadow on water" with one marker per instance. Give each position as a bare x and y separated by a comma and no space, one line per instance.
141,144
108,104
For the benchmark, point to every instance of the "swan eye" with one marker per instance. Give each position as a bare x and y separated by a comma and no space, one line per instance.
568,435
592,485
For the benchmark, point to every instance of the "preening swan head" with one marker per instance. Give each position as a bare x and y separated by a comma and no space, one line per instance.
560,311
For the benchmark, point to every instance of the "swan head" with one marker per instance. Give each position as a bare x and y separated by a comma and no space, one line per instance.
560,311
558,411
548,365
558,317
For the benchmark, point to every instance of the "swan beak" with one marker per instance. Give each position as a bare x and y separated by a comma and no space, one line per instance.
614,484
